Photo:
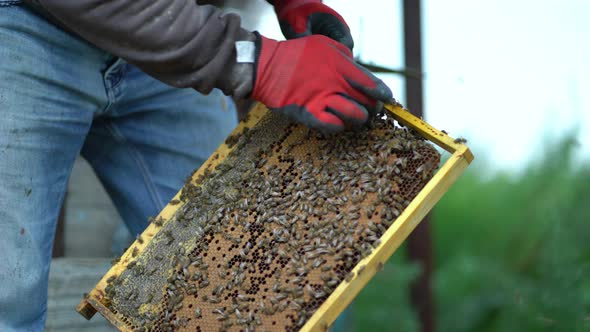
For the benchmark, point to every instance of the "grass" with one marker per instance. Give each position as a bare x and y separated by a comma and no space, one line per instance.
512,254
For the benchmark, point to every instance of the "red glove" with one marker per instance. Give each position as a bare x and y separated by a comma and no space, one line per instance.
300,18
315,81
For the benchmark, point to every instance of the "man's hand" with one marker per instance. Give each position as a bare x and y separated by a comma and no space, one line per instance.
314,80
300,18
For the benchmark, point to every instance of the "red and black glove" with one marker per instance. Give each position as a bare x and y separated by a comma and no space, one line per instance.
314,80
300,18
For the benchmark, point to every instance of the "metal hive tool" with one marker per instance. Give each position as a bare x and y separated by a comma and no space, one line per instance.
280,228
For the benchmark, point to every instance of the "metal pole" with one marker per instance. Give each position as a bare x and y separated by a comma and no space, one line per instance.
420,242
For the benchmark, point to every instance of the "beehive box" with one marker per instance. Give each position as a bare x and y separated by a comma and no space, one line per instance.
281,228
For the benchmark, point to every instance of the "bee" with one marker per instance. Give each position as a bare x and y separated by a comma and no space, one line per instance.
380,266
370,209
312,255
134,252
218,290
132,295
319,294
332,282
326,268
420,168
325,277
222,315
275,287
369,231
242,254
198,313
169,237
238,313
349,277
192,291
115,260
301,321
221,274
460,140
361,269
318,262
174,202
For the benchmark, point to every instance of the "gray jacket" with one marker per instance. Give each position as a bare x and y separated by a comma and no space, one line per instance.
176,41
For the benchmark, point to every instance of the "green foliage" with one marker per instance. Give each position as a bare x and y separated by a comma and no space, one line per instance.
384,304
512,254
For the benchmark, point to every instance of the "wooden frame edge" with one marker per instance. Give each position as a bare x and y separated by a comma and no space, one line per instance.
390,241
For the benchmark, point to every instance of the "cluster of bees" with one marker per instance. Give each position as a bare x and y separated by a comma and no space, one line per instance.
262,240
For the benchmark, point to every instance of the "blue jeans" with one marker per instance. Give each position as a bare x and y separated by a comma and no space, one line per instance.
60,97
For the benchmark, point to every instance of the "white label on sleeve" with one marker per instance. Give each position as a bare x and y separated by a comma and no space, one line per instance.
245,51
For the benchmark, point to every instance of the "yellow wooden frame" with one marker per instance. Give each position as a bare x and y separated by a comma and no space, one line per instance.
390,241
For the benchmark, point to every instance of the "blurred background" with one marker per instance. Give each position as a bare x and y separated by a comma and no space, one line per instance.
509,244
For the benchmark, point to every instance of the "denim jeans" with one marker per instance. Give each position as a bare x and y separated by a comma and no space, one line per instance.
61,97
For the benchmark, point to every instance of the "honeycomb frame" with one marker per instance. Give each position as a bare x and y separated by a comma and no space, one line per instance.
345,291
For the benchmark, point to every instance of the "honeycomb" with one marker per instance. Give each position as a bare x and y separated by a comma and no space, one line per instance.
262,240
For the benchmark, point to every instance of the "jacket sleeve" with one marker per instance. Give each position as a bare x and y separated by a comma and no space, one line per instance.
176,41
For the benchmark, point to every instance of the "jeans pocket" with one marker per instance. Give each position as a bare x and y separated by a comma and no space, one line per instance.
8,3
